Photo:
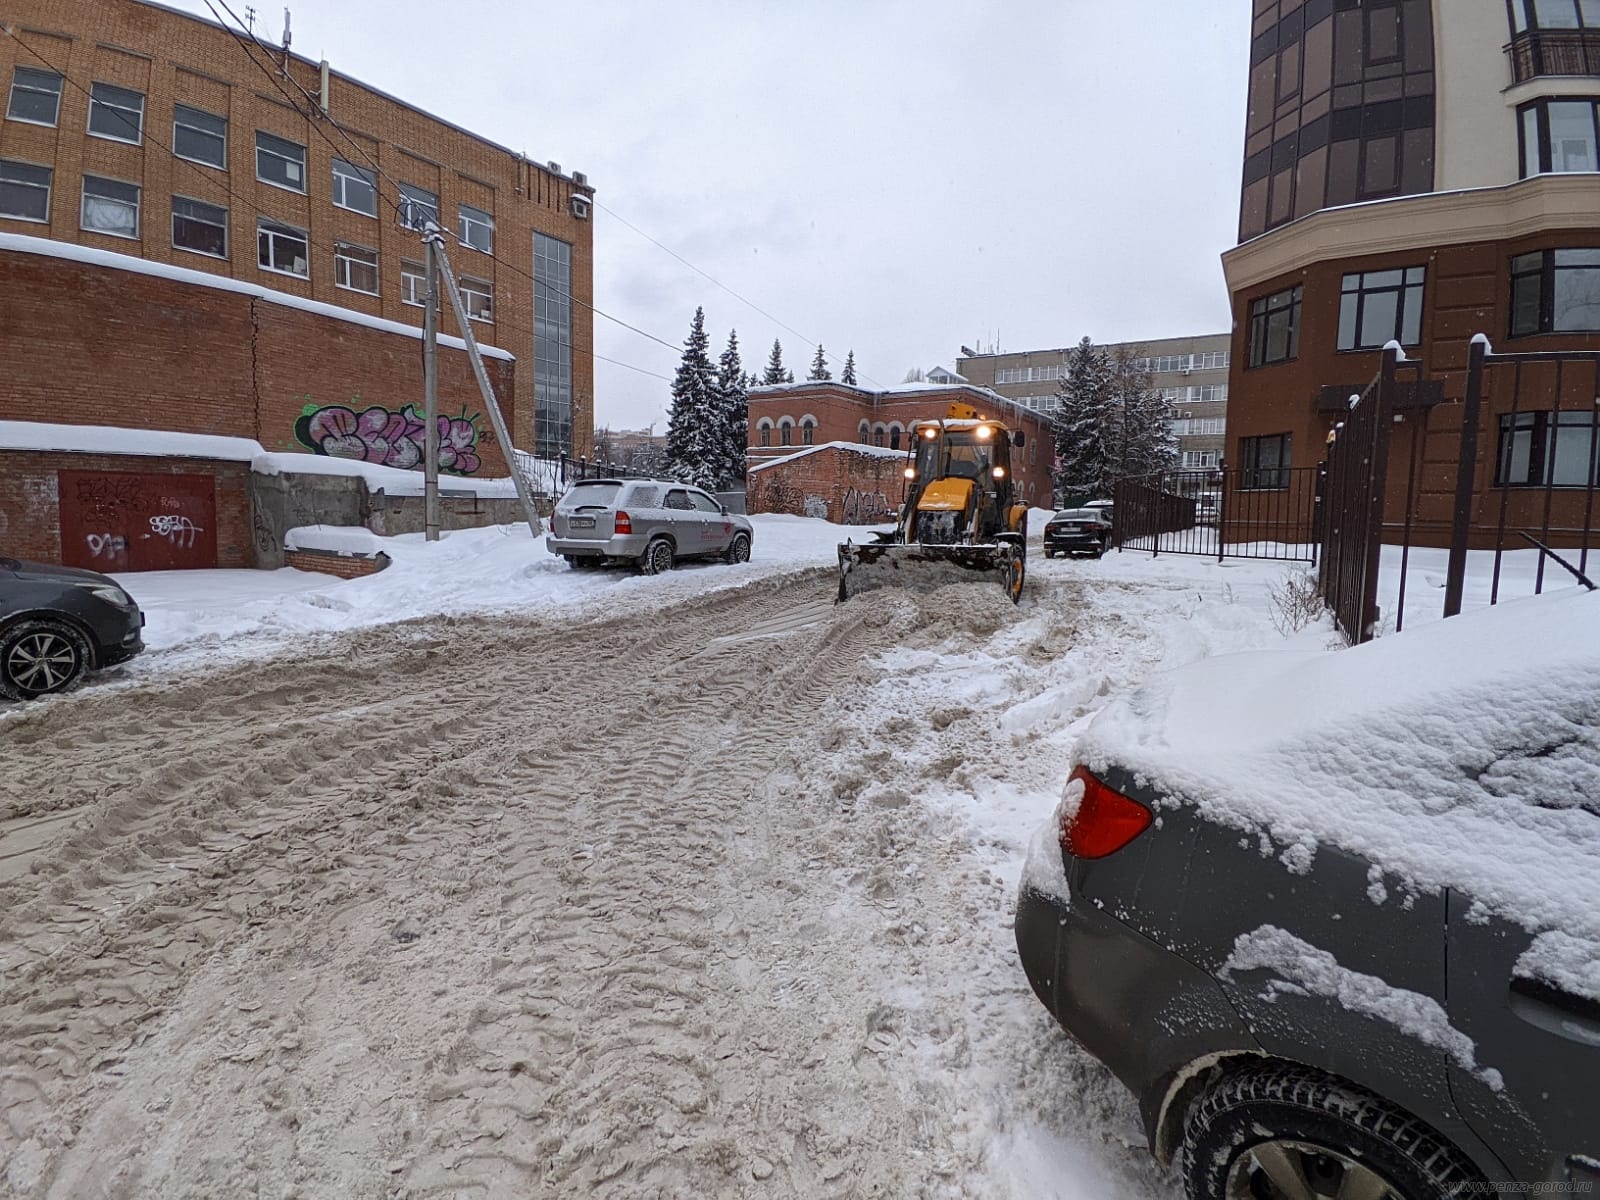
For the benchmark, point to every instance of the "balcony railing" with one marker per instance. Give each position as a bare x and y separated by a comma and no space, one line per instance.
1554,52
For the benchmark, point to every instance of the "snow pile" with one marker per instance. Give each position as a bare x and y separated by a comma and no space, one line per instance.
109,439
1304,970
1464,754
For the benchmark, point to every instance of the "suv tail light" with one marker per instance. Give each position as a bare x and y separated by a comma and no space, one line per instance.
1105,820
624,523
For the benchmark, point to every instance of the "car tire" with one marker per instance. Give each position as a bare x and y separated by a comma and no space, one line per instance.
738,549
1320,1132
1049,553
40,658
657,557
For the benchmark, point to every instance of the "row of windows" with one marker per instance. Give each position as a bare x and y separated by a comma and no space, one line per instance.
1194,460
1211,361
1206,393
808,432
112,207
1198,426
201,137
1554,14
1048,374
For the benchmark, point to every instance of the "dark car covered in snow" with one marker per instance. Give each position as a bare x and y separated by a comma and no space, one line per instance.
1335,917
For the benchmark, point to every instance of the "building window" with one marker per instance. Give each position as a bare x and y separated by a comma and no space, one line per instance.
280,162
413,283
201,228
1199,460
864,433
766,434
476,228
110,207
116,113
1546,449
418,207
552,345
894,437
785,434
1555,291
1275,327
354,188
24,191
1379,307
1559,136
35,97
878,435
478,296
1554,14
808,433
355,268
199,136
282,248
1264,462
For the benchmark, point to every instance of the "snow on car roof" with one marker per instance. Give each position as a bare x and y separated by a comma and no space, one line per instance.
1463,755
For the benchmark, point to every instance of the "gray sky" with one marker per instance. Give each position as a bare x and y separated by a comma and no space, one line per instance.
897,177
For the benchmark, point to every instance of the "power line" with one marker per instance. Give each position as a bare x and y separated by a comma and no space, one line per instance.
313,120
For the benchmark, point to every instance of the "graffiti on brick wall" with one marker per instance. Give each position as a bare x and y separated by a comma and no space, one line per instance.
389,437
779,496
176,528
866,508
816,507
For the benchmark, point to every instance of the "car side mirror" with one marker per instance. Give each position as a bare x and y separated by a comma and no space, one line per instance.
724,509
1019,439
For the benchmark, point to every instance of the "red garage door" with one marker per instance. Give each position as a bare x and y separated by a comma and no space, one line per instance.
126,521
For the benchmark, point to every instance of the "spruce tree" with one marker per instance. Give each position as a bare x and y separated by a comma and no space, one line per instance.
693,444
1085,428
819,367
1146,443
849,373
733,416
775,373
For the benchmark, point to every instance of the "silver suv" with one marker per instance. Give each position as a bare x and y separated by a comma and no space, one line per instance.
649,523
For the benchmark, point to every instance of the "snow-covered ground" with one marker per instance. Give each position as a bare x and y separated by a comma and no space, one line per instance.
849,794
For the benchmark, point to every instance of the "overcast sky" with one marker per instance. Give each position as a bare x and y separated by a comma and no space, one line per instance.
897,177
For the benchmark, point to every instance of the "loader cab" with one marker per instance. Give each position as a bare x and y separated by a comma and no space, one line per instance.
970,450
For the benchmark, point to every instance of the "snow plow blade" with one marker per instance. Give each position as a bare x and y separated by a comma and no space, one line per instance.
868,567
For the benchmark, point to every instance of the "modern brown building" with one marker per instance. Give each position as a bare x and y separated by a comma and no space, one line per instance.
142,131
1416,172
1190,372
788,418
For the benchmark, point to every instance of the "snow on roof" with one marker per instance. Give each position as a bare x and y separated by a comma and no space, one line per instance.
107,439
143,266
853,447
334,539
1462,755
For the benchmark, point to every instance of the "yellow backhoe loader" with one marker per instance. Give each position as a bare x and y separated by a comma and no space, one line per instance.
960,517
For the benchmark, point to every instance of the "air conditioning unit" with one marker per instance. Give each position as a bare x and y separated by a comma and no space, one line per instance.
1186,371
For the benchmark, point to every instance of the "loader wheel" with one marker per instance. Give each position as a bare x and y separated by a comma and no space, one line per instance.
1016,571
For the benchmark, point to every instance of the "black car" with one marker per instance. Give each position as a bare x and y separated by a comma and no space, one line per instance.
1335,918
56,623
1077,531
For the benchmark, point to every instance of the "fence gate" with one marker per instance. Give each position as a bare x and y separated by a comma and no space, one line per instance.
1261,512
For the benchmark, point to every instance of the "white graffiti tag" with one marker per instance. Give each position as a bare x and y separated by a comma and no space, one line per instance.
178,530
109,544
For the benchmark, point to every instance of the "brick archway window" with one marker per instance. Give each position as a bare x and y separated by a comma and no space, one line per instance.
808,433
865,432
894,437
786,434
766,435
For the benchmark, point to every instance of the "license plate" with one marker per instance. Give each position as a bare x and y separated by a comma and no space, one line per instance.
581,522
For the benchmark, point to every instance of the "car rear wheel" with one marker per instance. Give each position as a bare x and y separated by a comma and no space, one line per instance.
1049,553
657,557
1288,1133
41,657
739,548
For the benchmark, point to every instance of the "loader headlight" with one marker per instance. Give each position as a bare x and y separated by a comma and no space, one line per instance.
999,472
930,433
911,472
984,433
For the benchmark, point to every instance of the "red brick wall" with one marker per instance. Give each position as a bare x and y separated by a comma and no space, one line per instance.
92,345
30,510
177,59
839,411
844,486
345,566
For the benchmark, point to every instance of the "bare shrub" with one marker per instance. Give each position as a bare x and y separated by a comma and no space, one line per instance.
1295,602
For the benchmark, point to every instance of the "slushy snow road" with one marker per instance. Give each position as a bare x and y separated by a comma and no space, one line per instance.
700,888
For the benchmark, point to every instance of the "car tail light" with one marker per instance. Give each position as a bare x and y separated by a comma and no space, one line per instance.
1104,822
624,523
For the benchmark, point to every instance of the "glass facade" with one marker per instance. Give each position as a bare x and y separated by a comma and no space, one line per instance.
1341,107
552,345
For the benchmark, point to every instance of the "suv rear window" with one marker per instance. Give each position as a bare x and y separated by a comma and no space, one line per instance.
590,495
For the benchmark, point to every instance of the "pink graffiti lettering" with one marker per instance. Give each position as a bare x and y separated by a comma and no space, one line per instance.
388,438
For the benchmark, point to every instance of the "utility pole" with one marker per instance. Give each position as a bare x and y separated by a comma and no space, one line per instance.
430,409
435,239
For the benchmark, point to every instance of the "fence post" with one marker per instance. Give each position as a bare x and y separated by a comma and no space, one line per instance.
1466,478
1222,507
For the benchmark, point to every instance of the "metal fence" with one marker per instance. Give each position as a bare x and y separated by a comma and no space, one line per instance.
1222,512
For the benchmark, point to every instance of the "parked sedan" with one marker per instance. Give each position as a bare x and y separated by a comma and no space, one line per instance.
1335,917
647,523
57,623
1077,531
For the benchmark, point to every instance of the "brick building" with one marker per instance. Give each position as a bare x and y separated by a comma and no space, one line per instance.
786,418
1420,172
139,130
